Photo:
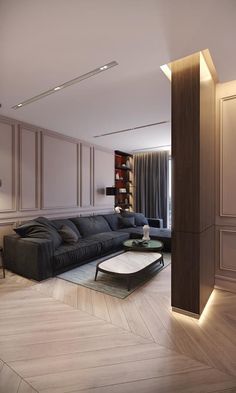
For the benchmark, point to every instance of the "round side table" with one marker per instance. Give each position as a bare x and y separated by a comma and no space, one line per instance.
2,262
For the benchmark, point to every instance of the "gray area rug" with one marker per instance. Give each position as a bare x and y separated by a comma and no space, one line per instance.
106,283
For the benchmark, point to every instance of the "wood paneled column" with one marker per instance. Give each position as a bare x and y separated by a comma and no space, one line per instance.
193,118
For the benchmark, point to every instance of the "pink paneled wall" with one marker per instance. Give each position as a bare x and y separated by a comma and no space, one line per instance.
46,173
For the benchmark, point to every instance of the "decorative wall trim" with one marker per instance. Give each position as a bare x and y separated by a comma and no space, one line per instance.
225,283
223,266
19,211
68,140
37,177
14,163
221,116
10,225
91,173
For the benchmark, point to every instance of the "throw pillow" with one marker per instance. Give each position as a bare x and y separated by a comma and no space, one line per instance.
126,222
34,229
140,219
68,235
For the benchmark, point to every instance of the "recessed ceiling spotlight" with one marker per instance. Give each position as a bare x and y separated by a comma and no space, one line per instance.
104,67
67,84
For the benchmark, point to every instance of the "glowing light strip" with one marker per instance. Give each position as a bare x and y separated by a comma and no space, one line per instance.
66,84
167,71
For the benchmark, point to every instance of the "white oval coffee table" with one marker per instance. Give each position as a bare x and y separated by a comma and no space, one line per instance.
129,264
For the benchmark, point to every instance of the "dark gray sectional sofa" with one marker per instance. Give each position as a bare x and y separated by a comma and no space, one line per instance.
38,251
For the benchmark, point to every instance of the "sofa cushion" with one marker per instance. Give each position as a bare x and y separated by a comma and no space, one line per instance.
110,240
140,219
164,235
68,235
34,229
66,221
126,222
77,254
113,220
125,213
45,221
91,225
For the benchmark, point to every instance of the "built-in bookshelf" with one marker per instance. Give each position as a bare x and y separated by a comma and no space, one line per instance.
124,180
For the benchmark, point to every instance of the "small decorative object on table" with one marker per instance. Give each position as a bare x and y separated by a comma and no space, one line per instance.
2,262
146,230
140,243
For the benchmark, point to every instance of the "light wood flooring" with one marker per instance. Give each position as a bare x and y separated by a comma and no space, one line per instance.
56,336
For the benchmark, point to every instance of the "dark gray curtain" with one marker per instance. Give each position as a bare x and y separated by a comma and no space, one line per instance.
151,184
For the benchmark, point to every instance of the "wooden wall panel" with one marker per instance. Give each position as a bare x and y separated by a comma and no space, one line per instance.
86,165
193,157
7,168
103,177
185,143
59,172
28,169
207,150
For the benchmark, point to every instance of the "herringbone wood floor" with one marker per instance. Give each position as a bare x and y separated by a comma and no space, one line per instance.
56,336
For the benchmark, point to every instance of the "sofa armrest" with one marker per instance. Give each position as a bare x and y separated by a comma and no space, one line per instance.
29,257
155,222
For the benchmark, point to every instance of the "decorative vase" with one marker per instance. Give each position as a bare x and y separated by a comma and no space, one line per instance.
117,176
146,229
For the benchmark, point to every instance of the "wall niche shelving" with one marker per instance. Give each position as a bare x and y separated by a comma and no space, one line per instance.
124,180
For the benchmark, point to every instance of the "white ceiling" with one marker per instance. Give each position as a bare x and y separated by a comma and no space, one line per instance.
45,43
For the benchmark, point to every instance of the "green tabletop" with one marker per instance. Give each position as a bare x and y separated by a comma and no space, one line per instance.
152,245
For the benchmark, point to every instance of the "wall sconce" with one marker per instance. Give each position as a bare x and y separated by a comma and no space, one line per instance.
111,191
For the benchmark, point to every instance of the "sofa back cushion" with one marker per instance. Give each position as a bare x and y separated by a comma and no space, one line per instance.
113,220
66,221
91,225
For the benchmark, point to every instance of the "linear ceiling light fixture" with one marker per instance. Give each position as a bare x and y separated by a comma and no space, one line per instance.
161,147
132,129
67,84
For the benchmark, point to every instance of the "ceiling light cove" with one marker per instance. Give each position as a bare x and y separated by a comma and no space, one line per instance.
66,84
132,129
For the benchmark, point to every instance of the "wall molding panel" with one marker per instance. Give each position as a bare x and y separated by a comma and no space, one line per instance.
29,181
86,173
225,261
8,160
47,173
59,172
228,250
103,176
227,125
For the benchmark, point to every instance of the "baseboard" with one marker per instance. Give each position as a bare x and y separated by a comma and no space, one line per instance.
225,283
184,312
